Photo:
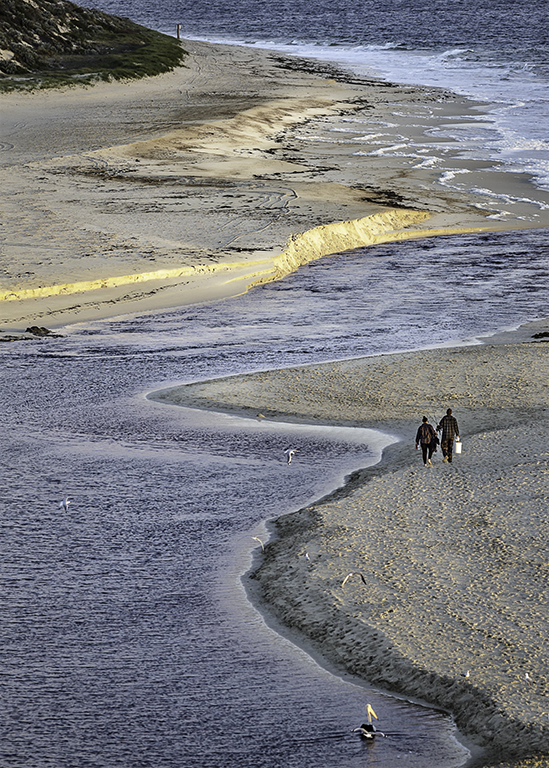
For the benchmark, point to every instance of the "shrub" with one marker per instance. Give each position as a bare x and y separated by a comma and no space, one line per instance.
56,41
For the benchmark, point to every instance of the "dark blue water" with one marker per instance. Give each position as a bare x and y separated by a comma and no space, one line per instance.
127,639
504,28
493,51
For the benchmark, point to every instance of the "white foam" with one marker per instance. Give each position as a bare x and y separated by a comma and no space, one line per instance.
371,136
429,162
515,93
510,198
388,150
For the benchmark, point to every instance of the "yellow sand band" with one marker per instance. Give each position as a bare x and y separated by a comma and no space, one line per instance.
386,226
113,282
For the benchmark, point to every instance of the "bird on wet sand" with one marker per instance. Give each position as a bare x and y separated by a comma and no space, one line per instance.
255,538
65,504
353,573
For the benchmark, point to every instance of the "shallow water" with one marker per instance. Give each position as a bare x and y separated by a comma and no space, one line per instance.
393,297
126,636
495,52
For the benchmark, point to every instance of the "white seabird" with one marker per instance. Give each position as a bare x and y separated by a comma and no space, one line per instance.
354,573
368,730
290,453
65,504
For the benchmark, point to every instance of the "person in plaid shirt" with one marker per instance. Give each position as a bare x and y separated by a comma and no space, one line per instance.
449,426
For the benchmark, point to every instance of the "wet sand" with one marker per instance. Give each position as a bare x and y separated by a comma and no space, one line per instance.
193,185
455,557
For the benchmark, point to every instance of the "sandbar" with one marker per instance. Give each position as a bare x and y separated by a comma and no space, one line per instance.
197,184
455,557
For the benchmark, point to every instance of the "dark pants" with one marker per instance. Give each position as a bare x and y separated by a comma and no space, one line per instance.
447,446
428,447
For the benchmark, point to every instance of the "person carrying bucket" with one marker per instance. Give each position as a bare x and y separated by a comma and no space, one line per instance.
449,426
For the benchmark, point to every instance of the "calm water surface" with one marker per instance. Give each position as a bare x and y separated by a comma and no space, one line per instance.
127,639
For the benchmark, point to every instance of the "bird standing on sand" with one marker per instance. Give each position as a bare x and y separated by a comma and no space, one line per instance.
65,504
353,573
290,453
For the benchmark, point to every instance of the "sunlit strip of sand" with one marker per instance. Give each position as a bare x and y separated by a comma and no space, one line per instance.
389,226
113,282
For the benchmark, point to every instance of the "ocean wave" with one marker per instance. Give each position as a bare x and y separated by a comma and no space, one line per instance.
509,199
393,150
370,136
453,54
429,162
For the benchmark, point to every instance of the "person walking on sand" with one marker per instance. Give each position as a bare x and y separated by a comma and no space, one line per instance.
427,438
449,426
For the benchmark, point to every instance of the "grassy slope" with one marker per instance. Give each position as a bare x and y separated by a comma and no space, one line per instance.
45,43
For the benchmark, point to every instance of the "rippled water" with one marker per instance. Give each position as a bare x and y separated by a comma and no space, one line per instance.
387,298
127,639
493,51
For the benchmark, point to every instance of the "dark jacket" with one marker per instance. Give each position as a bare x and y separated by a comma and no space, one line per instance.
425,434
449,427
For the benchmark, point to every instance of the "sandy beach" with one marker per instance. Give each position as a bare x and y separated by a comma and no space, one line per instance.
189,187
454,557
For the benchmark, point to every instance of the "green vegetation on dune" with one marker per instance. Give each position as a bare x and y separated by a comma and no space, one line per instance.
48,43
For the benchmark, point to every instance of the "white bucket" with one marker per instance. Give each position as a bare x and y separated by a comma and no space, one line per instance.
458,446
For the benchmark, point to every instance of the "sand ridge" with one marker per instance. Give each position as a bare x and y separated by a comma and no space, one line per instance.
489,385
455,556
203,167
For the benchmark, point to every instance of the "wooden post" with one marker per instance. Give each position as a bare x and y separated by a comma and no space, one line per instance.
179,31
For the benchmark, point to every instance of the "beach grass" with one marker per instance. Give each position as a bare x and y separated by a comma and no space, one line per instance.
49,46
